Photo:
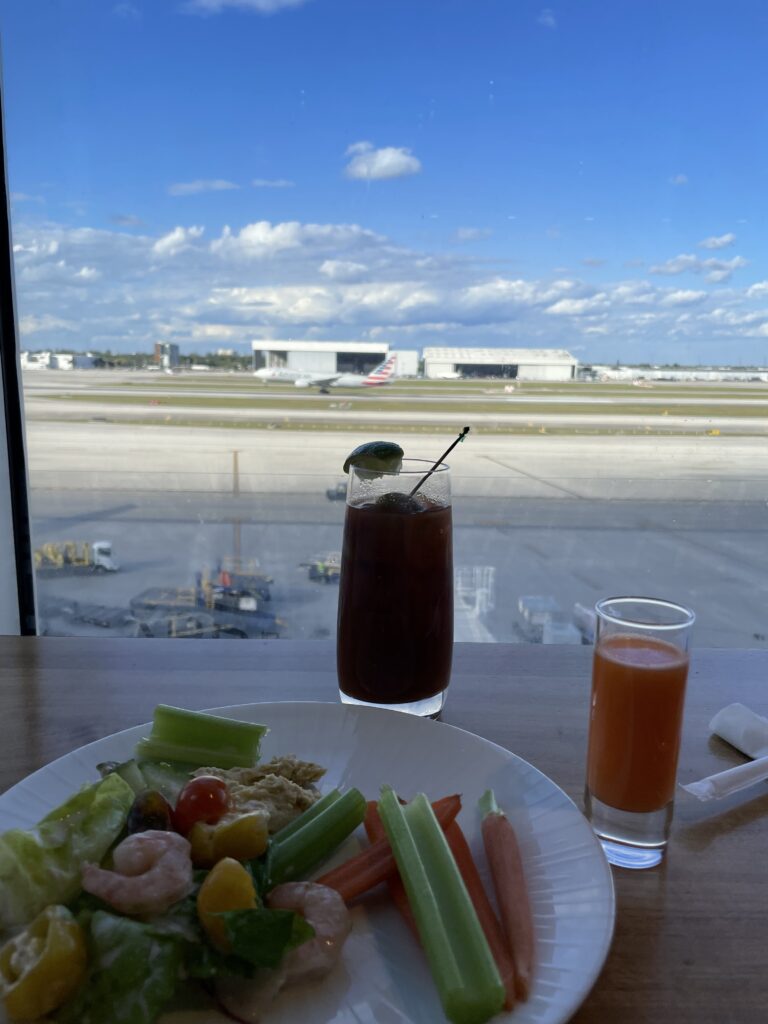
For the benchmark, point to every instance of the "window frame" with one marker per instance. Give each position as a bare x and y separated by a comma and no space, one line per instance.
17,584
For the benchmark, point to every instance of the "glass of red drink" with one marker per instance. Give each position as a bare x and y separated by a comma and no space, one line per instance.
395,624
639,675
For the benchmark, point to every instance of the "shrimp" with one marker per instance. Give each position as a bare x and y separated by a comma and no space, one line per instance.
152,871
326,911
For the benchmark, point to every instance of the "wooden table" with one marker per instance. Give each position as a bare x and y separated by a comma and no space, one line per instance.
690,936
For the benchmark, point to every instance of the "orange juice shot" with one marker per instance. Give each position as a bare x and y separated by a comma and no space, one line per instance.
638,691
639,674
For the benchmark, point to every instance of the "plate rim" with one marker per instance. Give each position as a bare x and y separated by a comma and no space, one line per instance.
580,991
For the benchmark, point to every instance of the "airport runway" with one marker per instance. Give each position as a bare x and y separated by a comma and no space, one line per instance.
570,517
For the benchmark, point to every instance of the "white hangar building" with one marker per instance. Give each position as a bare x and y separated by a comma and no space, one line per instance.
509,363
331,356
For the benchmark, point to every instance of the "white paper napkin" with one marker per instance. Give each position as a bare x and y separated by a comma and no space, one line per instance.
747,732
743,729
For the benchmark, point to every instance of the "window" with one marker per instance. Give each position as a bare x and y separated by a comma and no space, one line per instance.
228,214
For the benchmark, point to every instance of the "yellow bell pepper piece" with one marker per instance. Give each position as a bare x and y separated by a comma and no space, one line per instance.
41,967
228,886
243,837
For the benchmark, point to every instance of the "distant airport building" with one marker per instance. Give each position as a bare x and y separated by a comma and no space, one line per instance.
57,361
320,356
701,374
508,363
166,355
407,362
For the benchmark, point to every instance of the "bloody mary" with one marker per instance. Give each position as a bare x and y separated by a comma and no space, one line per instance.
395,619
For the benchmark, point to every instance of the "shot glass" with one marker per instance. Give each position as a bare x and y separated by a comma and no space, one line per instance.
639,675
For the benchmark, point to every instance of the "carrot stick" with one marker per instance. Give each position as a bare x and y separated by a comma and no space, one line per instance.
375,830
376,863
485,912
503,853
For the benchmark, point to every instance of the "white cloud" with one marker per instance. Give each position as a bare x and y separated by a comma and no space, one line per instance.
682,297
342,270
272,183
713,269
258,6
679,179
35,324
176,241
263,239
718,241
472,234
122,290
24,197
577,307
191,188
547,18
371,164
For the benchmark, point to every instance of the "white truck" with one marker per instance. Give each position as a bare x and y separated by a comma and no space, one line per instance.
75,558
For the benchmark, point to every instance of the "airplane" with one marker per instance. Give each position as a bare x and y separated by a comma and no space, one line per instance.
384,373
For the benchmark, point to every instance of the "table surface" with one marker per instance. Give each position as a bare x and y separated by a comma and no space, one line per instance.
690,936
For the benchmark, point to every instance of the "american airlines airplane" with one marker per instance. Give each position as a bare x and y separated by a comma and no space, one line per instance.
384,373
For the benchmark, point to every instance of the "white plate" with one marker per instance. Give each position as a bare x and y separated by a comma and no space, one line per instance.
384,978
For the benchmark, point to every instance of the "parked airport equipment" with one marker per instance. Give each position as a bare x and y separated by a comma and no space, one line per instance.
239,574
323,568
234,611
75,558
337,493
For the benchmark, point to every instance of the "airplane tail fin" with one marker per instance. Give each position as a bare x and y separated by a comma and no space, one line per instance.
383,373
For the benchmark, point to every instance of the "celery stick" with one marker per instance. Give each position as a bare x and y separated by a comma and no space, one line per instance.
487,804
460,959
309,815
200,739
295,856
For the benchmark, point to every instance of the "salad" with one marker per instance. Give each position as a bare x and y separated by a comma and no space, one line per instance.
188,865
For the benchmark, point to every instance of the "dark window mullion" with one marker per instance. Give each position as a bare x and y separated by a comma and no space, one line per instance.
12,408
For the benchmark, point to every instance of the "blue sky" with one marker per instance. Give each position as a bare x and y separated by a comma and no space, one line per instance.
488,172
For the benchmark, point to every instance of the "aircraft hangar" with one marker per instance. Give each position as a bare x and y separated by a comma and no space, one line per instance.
320,356
508,363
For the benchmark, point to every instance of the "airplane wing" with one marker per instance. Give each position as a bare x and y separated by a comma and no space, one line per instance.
317,380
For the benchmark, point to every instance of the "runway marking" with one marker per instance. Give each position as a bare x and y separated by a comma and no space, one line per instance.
532,476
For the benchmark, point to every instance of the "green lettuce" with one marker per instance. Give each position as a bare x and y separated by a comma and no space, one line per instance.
42,866
133,974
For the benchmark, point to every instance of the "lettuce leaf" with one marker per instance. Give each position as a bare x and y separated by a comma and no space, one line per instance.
262,937
133,974
42,866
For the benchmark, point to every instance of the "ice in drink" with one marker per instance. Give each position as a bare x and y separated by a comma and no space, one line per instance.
638,691
395,626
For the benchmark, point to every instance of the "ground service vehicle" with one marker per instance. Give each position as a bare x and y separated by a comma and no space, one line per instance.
240,574
323,568
73,557
234,612
337,493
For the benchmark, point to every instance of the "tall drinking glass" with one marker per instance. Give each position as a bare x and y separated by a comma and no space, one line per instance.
639,675
395,625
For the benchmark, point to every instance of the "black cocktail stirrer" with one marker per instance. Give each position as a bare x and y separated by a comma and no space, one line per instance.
447,451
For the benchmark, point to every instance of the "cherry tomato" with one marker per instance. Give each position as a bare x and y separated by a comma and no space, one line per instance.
203,799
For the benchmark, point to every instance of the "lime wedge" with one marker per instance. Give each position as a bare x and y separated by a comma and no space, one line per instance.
376,457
